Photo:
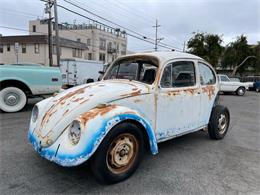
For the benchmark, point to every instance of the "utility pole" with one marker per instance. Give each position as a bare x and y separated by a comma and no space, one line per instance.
157,40
48,11
57,33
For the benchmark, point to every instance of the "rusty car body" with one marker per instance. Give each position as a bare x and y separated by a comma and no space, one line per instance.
162,112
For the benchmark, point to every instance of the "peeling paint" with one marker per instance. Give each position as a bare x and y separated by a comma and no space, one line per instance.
209,90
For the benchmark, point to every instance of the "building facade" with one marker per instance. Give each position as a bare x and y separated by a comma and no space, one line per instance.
104,44
35,49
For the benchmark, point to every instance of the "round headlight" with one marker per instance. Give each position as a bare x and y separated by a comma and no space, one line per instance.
75,132
35,113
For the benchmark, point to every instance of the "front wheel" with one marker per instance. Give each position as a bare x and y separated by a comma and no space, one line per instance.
219,122
119,154
241,91
12,99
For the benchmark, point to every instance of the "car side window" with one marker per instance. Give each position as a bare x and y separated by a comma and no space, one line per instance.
179,74
224,78
166,80
207,77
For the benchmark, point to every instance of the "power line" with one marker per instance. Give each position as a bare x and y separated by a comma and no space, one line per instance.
164,45
143,37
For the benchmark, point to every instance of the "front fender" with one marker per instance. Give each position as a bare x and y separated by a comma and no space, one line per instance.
95,124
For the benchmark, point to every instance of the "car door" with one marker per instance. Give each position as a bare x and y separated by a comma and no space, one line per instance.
225,84
178,99
208,84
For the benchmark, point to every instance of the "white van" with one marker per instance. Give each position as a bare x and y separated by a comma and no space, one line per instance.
78,71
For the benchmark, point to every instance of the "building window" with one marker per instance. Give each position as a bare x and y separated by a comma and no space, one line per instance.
123,51
78,39
88,42
1,48
76,53
102,57
24,48
102,44
36,48
8,47
54,50
89,56
34,28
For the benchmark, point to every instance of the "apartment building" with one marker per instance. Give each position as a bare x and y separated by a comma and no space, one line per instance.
104,44
35,49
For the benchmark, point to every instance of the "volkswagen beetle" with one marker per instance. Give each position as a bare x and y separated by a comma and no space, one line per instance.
142,100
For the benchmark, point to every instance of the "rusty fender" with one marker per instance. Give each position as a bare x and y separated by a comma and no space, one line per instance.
95,124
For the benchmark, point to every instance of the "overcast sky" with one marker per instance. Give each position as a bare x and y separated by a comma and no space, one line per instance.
178,18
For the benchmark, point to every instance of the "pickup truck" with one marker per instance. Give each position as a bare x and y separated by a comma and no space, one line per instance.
20,81
228,85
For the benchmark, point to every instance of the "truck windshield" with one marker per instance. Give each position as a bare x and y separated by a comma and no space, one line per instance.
139,70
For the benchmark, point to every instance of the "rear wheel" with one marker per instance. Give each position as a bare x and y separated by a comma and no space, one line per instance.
119,154
241,91
219,122
12,99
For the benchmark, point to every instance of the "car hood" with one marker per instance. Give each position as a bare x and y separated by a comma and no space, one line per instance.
62,109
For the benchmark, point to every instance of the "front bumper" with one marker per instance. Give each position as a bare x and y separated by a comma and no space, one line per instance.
52,153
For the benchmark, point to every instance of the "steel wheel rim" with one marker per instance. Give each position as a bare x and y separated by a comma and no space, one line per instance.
222,123
11,99
240,91
122,153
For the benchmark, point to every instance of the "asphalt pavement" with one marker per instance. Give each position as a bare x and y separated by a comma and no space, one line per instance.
191,164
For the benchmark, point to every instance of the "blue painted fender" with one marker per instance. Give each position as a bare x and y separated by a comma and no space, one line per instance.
93,131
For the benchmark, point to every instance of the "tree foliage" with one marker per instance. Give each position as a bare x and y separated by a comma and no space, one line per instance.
236,52
207,46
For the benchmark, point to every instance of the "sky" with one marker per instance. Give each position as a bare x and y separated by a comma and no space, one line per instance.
178,19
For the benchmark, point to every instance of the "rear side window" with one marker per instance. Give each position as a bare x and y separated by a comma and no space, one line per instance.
179,74
207,77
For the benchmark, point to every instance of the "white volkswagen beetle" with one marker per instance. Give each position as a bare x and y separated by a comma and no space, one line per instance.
142,100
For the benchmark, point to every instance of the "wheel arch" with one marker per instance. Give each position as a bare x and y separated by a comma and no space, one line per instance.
15,83
148,138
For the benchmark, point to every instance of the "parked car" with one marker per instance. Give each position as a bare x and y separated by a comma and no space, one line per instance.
20,81
256,86
112,121
77,71
227,85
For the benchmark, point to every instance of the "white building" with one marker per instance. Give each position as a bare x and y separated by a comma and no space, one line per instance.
104,44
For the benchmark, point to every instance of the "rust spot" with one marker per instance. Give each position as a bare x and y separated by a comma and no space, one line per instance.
134,89
191,91
78,99
84,118
61,101
173,93
209,90
84,101
65,112
135,93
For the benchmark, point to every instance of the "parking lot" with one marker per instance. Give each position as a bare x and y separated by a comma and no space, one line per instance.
191,164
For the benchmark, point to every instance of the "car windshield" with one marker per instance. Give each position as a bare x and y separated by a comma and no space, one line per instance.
143,70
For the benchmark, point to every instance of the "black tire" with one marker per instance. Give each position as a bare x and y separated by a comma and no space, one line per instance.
218,126
241,91
104,161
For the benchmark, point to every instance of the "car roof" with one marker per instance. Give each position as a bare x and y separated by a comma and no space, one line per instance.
164,56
